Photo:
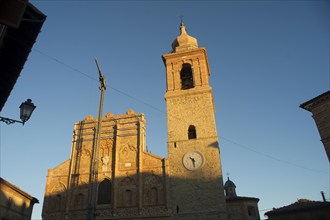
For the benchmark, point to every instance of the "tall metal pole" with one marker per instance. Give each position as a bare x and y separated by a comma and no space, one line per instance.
93,174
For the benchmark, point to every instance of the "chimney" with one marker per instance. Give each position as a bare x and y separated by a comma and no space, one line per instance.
323,197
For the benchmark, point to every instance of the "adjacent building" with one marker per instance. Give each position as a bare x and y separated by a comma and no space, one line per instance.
20,24
239,207
303,209
320,108
133,183
15,204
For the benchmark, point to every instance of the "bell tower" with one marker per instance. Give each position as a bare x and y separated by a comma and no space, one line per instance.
196,184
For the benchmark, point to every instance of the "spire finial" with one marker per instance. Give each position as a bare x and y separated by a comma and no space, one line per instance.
181,16
184,41
182,27
228,175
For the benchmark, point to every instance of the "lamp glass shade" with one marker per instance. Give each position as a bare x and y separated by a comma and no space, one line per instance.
27,108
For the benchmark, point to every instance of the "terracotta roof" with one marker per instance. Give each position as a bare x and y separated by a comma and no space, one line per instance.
301,205
240,198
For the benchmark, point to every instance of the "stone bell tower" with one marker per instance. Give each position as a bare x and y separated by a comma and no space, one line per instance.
196,185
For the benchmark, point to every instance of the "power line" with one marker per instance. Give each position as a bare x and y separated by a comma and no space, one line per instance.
86,75
66,65
180,119
270,157
94,79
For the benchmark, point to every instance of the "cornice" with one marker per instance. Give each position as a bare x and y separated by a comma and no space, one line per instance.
181,54
311,104
4,182
188,92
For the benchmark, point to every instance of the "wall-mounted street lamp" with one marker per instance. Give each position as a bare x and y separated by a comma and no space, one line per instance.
26,109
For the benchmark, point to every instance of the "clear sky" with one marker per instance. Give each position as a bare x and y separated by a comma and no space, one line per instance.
266,58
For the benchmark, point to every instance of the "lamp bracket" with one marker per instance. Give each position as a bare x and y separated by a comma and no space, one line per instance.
9,121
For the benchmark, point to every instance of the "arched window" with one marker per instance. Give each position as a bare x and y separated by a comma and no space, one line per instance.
192,132
104,192
128,198
154,196
187,81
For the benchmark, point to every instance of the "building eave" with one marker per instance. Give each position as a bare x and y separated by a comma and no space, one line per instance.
18,190
15,48
311,104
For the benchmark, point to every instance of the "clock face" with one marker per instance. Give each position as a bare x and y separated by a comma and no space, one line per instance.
193,160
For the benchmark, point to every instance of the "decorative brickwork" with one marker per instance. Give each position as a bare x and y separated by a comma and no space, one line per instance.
137,178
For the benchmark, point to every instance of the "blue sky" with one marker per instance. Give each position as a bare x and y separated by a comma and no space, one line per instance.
266,58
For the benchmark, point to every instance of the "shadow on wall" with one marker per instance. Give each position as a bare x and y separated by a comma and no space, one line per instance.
126,196
13,207
114,198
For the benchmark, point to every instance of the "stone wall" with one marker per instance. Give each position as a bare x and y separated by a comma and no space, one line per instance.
15,204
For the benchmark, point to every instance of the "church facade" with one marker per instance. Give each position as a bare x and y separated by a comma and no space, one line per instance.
133,183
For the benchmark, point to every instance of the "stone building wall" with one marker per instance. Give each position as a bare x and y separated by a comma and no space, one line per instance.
135,178
15,204
196,185
320,108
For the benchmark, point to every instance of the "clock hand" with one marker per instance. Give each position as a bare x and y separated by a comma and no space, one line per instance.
193,161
